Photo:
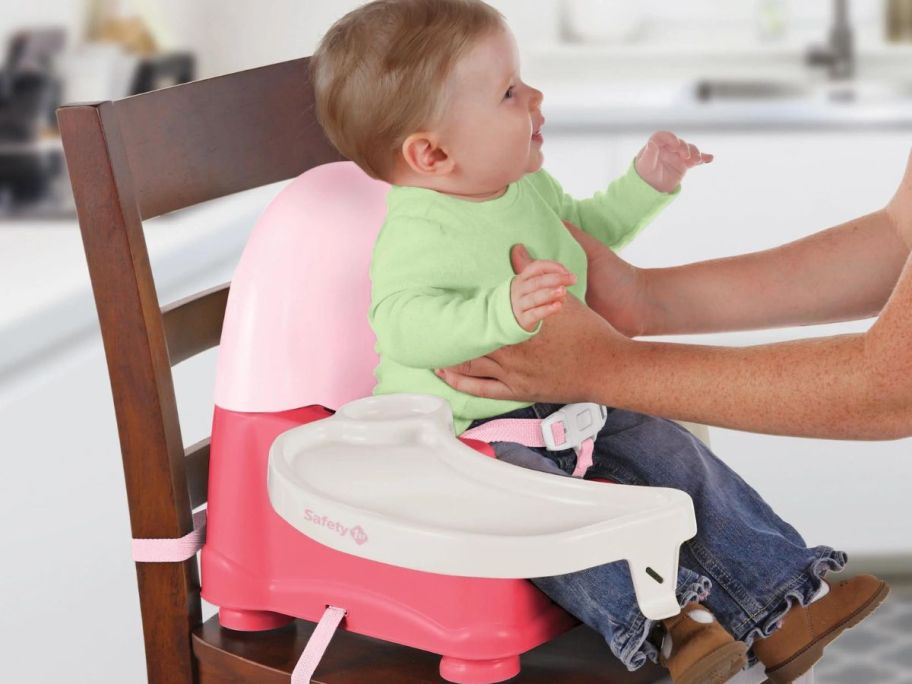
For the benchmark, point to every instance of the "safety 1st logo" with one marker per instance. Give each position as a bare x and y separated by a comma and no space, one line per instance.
357,533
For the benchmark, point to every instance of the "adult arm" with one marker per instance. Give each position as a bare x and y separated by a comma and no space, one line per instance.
843,273
842,387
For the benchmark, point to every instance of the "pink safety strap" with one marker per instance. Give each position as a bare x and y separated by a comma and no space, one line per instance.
316,645
527,431
583,458
178,550
523,431
172,550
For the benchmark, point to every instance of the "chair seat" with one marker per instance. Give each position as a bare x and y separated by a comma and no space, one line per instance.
387,470
579,656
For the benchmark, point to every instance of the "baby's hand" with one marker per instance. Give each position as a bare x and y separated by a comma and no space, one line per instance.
665,159
538,291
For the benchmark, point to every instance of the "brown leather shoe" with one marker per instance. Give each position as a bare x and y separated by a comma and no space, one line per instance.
696,649
792,649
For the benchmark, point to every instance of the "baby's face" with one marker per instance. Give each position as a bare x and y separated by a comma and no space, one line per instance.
492,124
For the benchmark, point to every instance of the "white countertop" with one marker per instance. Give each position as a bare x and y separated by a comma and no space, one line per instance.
45,292
636,88
575,105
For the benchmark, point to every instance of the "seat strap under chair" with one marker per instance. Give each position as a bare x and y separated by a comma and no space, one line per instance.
172,550
186,547
316,645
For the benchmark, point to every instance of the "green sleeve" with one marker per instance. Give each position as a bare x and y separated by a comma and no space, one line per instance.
613,215
421,313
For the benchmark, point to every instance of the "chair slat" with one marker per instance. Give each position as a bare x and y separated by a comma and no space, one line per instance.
206,139
194,324
197,469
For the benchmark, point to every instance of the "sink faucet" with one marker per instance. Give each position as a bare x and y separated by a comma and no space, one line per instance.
838,55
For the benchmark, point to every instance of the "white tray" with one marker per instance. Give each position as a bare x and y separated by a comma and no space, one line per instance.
384,478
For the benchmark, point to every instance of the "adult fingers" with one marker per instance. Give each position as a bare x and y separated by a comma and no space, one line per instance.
519,258
479,387
480,377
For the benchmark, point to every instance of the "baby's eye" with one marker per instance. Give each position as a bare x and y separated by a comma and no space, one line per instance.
509,93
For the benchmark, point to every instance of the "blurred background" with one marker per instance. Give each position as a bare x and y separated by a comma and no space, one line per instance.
807,105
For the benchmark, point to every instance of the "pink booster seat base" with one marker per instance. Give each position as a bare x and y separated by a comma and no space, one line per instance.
296,339
261,571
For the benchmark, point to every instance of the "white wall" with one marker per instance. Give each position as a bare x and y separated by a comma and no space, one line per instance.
242,35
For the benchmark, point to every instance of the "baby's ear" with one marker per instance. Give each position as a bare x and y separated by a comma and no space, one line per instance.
423,155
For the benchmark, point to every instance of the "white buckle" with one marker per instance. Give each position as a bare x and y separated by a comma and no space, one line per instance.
581,422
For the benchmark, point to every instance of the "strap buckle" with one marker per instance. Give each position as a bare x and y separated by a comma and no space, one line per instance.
572,425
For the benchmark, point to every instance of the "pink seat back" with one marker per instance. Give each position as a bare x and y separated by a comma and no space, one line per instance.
296,328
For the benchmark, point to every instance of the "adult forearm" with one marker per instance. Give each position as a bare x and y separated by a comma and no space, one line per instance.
828,387
843,273
844,387
847,387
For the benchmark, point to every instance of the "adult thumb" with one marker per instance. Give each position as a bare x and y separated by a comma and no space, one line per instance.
519,258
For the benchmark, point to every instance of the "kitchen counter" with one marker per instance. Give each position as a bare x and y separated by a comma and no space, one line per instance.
590,88
45,293
585,107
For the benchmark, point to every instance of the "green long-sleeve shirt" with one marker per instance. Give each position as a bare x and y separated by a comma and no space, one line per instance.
441,273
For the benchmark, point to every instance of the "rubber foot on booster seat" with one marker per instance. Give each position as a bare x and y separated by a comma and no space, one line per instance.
251,620
463,671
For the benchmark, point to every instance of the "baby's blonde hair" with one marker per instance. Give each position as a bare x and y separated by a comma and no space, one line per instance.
379,72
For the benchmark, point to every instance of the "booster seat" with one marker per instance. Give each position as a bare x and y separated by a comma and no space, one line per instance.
451,531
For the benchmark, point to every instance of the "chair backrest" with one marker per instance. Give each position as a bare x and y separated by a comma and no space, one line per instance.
138,158
296,329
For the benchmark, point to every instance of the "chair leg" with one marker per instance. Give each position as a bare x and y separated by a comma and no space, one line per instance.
251,620
478,671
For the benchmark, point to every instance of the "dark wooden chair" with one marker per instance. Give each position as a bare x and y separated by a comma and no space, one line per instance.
144,156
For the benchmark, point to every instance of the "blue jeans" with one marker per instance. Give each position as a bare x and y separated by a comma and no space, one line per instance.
746,564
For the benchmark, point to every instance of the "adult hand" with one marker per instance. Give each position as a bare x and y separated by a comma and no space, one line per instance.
557,365
615,289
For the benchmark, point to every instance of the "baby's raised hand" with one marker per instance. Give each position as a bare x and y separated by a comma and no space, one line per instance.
665,159
538,291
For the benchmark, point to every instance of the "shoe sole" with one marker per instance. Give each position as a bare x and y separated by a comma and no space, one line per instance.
802,661
719,666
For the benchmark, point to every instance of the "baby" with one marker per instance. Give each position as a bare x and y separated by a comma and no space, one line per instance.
427,95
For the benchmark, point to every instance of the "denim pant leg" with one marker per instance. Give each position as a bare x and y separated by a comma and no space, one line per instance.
602,597
758,564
